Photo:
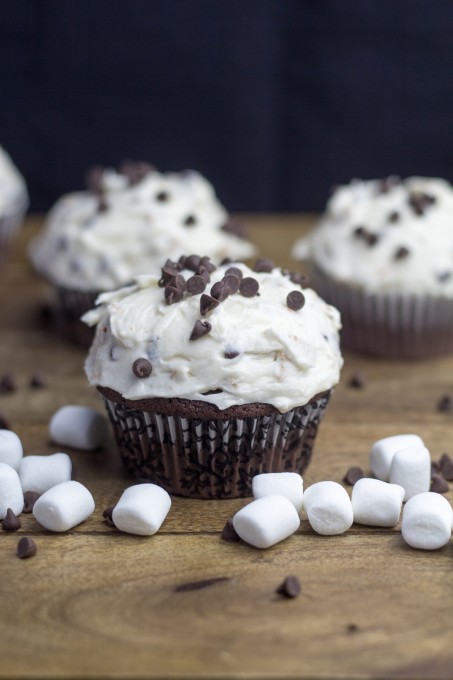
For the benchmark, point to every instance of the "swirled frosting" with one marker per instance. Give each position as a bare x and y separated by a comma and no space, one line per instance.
13,191
268,342
127,224
387,236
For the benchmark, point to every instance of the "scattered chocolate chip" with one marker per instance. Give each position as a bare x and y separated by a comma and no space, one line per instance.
200,329
295,300
30,498
225,260
445,404
386,184
249,287
162,196
419,201
444,277
218,390
231,355
102,205
352,628
207,264
4,422
7,384
198,585
363,233
290,587
192,262
229,533
371,239
11,522
301,279
93,179
233,282
26,548
235,228
353,474
203,272
178,282
107,515
357,380
207,304
37,381
173,295
182,262
168,272
401,253
220,291
359,232
439,484
135,171
394,217
264,266
446,467
142,368
435,467
195,284
190,220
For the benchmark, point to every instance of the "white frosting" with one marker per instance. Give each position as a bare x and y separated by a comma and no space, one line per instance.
86,249
427,268
285,356
13,191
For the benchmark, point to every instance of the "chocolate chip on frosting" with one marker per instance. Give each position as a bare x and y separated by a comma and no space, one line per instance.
401,253
168,272
263,266
173,295
295,300
231,355
394,217
233,282
192,262
359,232
200,329
190,220
203,272
93,179
178,282
419,201
162,196
301,279
207,264
135,171
249,287
207,304
234,271
220,291
142,368
195,284
371,238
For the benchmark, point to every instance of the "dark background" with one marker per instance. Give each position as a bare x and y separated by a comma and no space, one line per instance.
273,100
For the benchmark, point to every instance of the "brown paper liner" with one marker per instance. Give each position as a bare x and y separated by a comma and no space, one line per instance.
391,325
212,457
9,225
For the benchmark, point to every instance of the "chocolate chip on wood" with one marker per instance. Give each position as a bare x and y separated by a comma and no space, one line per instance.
26,547
290,587
11,522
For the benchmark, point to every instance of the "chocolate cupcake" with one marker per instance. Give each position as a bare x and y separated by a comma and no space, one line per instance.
126,223
212,375
13,202
383,255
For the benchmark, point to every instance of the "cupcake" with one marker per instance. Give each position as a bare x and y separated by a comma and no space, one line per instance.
13,202
127,223
383,255
213,375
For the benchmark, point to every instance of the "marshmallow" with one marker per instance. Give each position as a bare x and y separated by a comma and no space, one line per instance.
328,508
78,427
266,521
427,521
11,451
64,506
40,473
287,484
411,468
382,452
376,503
11,495
141,509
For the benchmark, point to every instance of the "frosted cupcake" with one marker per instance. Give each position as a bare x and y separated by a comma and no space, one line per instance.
127,223
13,202
383,255
212,375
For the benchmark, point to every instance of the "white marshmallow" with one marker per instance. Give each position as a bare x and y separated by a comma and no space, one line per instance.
427,521
411,468
64,506
266,521
11,451
79,427
287,484
328,508
40,473
11,495
376,503
141,509
382,452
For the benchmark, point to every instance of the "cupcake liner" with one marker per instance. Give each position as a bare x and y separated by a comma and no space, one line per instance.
71,305
391,325
9,225
213,457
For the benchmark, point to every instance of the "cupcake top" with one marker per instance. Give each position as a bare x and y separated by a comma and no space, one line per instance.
13,191
227,335
387,236
128,222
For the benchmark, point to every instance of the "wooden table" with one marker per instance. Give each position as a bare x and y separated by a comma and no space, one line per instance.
96,603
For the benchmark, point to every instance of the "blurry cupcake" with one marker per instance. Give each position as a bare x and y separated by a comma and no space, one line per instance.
13,202
127,223
383,255
212,377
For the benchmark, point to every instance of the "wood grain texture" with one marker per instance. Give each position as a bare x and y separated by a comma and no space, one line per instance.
95,603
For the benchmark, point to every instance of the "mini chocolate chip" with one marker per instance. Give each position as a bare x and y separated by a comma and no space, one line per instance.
229,533
7,384
353,474
198,585
249,287
439,484
233,282
26,548
192,262
295,300
30,498
142,368
200,329
419,201
394,217
93,179
444,277
235,228
107,515
359,232
207,264
301,279
220,291
4,422
264,266
135,171
178,282
357,380
446,467
182,262
401,253
190,220
37,381
11,522
371,239
445,404
207,304
102,205
173,295
218,390
231,355
169,272
195,284
162,196
290,587
234,271
225,260
203,272
352,628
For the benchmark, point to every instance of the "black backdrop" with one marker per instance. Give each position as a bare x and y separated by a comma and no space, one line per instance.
274,100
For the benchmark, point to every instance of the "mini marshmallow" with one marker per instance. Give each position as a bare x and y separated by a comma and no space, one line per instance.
11,495
11,451
266,521
376,503
427,521
382,452
287,484
141,509
64,506
411,468
40,473
328,508
78,427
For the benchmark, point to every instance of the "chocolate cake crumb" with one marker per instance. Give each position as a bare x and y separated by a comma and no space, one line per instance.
142,368
229,533
263,266
200,329
353,474
37,381
30,498
290,587
11,522
401,253
445,404
7,384
198,585
195,285
107,515
249,287
26,548
357,380
439,484
295,300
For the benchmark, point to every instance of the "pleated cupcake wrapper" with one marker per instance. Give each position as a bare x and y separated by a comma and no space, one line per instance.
9,225
214,458
389,325
72,304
